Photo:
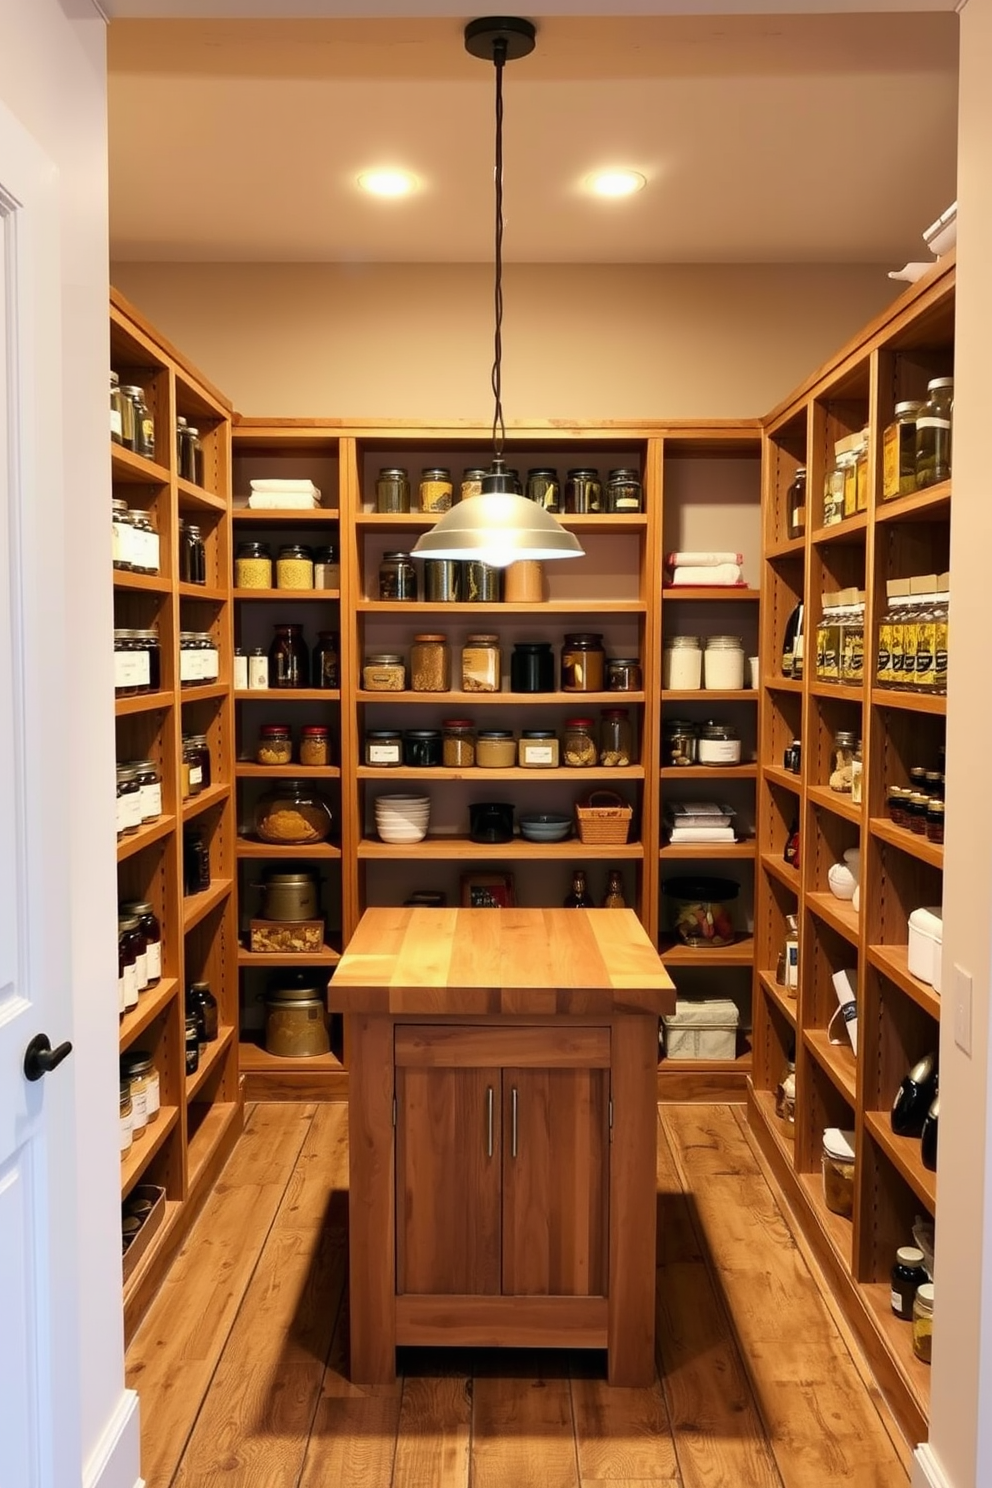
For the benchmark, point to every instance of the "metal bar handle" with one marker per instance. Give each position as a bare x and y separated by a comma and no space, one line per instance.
513,1122
489,1121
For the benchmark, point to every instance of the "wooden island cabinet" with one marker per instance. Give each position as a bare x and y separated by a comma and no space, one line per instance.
502,1124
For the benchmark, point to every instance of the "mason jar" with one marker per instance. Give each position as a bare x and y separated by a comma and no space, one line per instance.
397,577
392,490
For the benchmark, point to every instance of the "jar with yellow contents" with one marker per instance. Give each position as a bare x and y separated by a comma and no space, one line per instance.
294,568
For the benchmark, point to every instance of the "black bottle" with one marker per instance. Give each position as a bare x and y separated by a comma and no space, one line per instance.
580,897
202,1003
913,1098
928,1141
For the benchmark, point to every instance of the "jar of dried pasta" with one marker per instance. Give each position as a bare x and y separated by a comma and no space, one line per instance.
430,663
315,744
275,744
459,743
578,744
481,664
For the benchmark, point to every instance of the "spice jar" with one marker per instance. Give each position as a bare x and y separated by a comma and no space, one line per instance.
795,505
723,664
275,745
908,1275
719,744
495,749
202,1001
148,924
933,434
326,567
680,742
149,780
397,577
923,1322
458,743
616,738
258,671
682,664
579,743
623,674
315,745
842,770
480,583
435,491
289,659
442,580
128,801
583,492
542,488
623,492
422,748
294,568
838,1171
253,566
326,671
532,667
137,1067
430,663
126,1123
383,747
538,750
392,490
523,582
200,754
481,664
583,662
383,671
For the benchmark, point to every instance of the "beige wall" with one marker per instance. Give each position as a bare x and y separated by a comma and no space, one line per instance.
582,342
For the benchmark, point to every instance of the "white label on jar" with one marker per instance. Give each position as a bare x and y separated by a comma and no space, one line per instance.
189,665
153,960
384,754
241,674
152,551
126,1131
116,545
933,423
141,968
196,774
211,665
151,801
539,754
120,816
142,669
258,673
116,423
139,1111
130,810
152,1094
896,1302
719,751
130,987
124,669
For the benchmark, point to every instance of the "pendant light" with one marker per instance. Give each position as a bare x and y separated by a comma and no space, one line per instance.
499,526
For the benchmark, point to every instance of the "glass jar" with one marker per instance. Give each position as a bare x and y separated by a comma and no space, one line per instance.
127,963
294,567
147,660
253,566
192,554
785,1100
126,1123
624,674
145,556
315,745
392,490
933,433
719,744
842,764
583,492
239,670
192,771
482,664
151,929
795,505
149,780
422,748
838,1171
583,662
442,580
680,742
258,671
293,813
542,488
857,775
833,494
851,463
435,490
275,745
116,419
828,643
326,670
471,485
682,664
397,577
193,456
458,743
326,567
723,664
623,491
383,671
899,452
481,583
383,747
196,863
578,743
935,820
495,749
130,938
616,738
137,1067
128,801
941,610
199,659
523,582
120,535
289,659
908,1275
192,1045
919,806
200,997
127,416
532,667
538,750
923,1322
430,663
852,654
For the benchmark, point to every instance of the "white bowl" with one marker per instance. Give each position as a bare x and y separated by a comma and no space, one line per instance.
397,833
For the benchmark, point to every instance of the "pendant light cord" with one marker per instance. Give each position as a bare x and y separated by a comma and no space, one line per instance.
499,427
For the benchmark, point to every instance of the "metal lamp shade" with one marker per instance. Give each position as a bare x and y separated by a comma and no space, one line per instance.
498,528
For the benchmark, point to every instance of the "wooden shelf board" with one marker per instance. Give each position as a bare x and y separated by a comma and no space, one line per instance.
490,612
173,1209
205,593
248,770
460,848
786,547
256,1060
781,870
929,505
328,956
839,802
212,796
709,772
709,695
142,583
209,1060
908,842
290,695
838,1230
904,1155
674,851
195,498
196,907
129,468
457,698
145,836
477,774
764,1103
741,953
278,595
850,530
143,702
910,702
207,1138
150,1004
789,781
250,847
898,1340
208,694
837,1060
740,1066
578,521
784,684
844,692
710,592
140,1154
837,913
307,515
893,962
779,996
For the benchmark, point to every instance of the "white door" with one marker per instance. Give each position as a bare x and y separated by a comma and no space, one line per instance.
38,1361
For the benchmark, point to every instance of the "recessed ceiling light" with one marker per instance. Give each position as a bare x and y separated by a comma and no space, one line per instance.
616,182
388,182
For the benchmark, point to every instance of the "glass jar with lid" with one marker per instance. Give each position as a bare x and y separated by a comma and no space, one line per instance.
151,929
383,671
583,662
132,940
383,747
192,554
144,542
289,658
430,663
495,749
116,417
481,664
538,749
680,742
397,577
326,670
315,745
471,484
199,747
838,1171
857,775
436,489
126,1122
137,1066
458,743
542,488
578,744
833,494
481,583
616,738
852,653
121,535
253,566
532,667
128,944
842,763
624,674
149,778
923,1322
795,505
293,813
682,664
294,567
623,491
326,567
583,491
392,490
719,744
422,748
200,997
128,800
933,433
899,451
442,580
275,745
723,664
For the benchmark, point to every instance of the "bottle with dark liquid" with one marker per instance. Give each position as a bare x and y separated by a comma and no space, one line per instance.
580,897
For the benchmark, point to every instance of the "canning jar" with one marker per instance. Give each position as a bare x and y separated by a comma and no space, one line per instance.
147,659
723,664
293,812
842,761
616,738
294,567
383,747
680,742
383,671
471,485
128,800
130,937
623,491
149,779
838,1171
127,965
583,662
120,535
624,674
833,494
542,488
935,820
326,670
196,863
719,744
192,554
857,775
682,664
458,743
442,580
495,749
116,420
326,567
397,577
289,659
392,490
899,451
908,1275
583,492
430,663
923,1322
192,770
275,745
200,997
126,1125
138,1068
481,664
422,748
253,566
795,504
933,433
538,749
148,924
532,667
144,542
578,743
435,490
480,583
315,744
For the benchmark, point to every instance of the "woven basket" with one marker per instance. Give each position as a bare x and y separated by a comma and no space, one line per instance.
603,818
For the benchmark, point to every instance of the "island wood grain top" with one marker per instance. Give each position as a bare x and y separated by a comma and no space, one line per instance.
522,962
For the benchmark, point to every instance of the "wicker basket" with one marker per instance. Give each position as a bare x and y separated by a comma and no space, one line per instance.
603,818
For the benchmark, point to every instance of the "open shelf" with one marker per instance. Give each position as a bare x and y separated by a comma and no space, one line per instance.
741,953
904,1155
129,468
253,847
212,796
709,772
783,871
195,498
304,516
838,1230
921,506
837,913
710,592
279,595
203,592
708,695
248,770
741,1065
207,1138
779,996
908,842
139,1155
487,699
845,692
196,907
142,583
851,530
161,827
785,778
200,693
893,961
143,702
463,848
291,695
674,850
839,802
209,1059
256,1060
479,774
837,1060
273,960
574,521
150,1004
489,613
913,702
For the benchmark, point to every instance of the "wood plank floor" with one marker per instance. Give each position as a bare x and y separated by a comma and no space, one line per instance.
241,1361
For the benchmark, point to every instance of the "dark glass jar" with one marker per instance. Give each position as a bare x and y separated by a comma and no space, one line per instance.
532,667
397,577
583,492
294,567
935,820
128,801
543,489
149,779
472,478
192,554
908,1274
624,674
442,580
200,996
435,490
132,941
326,662
623,492
196,863
151,929
392,490
127,963
583,662
148,660
795,505
289,660
422,748
326,567
480,583
192,1045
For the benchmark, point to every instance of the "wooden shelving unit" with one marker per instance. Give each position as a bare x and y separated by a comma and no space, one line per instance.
898,1016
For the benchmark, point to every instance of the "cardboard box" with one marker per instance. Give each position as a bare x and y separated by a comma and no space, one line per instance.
704,1029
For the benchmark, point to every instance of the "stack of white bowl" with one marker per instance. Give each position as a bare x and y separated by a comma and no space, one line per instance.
402,818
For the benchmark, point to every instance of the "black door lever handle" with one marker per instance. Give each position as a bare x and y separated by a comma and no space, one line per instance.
40,1058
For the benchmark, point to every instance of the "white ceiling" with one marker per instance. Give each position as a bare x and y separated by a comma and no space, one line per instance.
772,138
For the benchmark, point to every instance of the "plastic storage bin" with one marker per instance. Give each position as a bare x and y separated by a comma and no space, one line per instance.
702,1030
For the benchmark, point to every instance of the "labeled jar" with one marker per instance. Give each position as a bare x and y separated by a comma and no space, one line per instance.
392,490
923,1322
383,671
149,780
275,745
326,567
326,669
397,577
933,434
623,492
795,505
679,742
723,664
192,554
435,490
481,664
144,545
289,659
833,494
578,744
128,801
422,748
430,663
471,484
315,745
542,488
253,566
532,667
199,661
192,1045
120,535
583,662
116,418
908,1275
624,674
196,863
383,747
899,452
442,580
616,738
192,770
294,567
495,749
258,671
838,1171
538,749
842,761
583,492
458,743
719,744
126,1121
480,583
682,664
138,1069
935,820
148,924
857,775
131,941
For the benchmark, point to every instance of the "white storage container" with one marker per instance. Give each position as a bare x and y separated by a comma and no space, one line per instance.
926,944
702,1029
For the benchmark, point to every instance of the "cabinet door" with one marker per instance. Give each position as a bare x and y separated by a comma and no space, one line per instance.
555,1182
447,1181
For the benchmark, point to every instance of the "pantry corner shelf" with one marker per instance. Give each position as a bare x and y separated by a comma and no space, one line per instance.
844,692
150,1005
196,907
618,522
780,869
290,695
144,702
255,1059
479,774
138,1158
205,593
709,772
709,695
839,802
195,498
490,613
851,530
488,699
207,1139
740,1064
837,913
144,837
248,770
787,779
212,692
913,843
786,547
785,1004
784,684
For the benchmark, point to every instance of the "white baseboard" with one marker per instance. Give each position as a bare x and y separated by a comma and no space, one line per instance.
927,1471
116,1460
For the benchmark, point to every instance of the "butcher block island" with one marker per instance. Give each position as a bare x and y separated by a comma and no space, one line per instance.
503,1129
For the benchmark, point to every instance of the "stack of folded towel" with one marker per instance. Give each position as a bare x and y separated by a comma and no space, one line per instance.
699,821
279,495
722,570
